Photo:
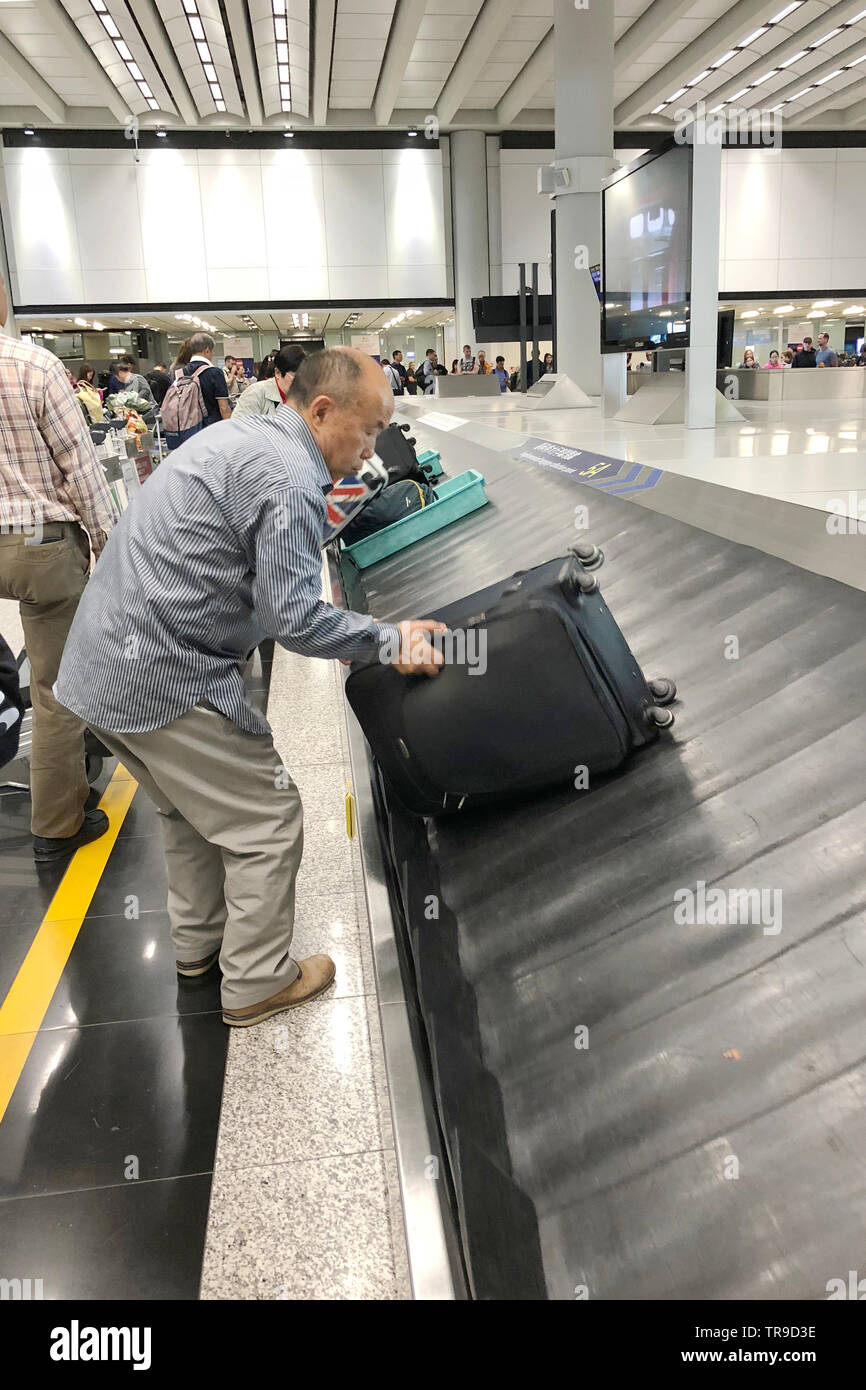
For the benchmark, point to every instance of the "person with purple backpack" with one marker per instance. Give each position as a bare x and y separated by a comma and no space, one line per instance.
198,395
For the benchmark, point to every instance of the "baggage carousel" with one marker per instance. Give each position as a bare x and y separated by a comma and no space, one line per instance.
619,1102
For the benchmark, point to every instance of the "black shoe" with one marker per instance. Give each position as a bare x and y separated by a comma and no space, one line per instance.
46,850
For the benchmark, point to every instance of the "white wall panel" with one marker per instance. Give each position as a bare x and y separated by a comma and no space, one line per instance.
190,227
354,214
105,241
124,286
248,286
359,282
294,209
806,210
415,225
172,235
232,216
44,234
417,282
297,284
752,223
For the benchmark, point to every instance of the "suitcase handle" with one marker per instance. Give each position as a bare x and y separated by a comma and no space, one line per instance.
574,580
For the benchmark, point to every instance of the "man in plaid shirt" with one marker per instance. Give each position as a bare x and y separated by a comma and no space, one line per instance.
55,508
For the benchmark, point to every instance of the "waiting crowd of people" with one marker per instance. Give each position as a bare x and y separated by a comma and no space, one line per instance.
806,355
407,379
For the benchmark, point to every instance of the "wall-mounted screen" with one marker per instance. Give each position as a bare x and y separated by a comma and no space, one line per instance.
646,257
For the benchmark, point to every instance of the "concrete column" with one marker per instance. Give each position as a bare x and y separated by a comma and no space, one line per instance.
10,327
584,72
469,223
701,396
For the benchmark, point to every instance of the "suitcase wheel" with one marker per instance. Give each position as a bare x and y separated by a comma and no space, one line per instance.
662,718
589,555
663,690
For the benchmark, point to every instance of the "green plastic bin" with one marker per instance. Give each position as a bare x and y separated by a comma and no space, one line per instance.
455,498
430,462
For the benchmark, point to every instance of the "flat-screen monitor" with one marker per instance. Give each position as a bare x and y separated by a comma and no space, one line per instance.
308,344
496,317
646,252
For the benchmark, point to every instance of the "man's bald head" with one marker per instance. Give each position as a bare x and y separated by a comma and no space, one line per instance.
344,398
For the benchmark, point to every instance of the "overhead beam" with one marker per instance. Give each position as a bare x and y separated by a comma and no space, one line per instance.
535,72
236,13
652,25
401,41
486,32
56,19
826,98
734,25
833,100
17,67
792,43
324,18
170,70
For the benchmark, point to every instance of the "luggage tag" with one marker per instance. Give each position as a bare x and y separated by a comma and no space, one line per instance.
350,495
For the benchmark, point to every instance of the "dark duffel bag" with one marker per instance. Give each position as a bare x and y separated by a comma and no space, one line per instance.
538,684
395,502
397,451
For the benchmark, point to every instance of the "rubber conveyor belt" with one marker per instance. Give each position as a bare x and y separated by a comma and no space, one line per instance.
709,1142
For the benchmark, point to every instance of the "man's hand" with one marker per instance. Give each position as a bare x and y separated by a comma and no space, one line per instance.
417,656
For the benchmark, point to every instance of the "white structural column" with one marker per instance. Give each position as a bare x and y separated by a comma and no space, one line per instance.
469,223
701,394
584,64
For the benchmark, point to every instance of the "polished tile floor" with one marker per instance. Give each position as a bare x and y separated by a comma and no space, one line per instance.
807,452
146,1152
305,1202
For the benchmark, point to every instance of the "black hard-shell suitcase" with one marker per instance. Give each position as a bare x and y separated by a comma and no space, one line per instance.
538,684
397,452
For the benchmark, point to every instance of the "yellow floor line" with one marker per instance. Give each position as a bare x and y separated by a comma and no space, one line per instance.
24,1007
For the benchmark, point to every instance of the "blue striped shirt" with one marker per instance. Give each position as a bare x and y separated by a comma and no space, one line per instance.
220,549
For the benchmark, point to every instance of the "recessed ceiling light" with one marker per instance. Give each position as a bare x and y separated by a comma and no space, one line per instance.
724,58
676,95
744,43
854,309
288,135
28,131
785,309
832,34
161,135
783,14
796,58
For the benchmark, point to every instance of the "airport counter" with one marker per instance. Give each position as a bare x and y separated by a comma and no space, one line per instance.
793,383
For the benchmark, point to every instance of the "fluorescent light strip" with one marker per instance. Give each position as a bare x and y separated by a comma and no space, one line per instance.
202,48
829,78
725,58
832,34
281,45
783,14
700,77
744,43
796,58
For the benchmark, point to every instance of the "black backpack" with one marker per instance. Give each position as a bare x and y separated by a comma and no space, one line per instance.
392,505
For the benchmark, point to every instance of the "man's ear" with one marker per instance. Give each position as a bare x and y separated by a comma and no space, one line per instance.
320,409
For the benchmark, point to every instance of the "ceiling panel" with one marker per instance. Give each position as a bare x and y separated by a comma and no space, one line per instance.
186,89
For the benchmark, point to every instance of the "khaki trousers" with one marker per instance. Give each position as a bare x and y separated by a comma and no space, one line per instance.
232,829
48,581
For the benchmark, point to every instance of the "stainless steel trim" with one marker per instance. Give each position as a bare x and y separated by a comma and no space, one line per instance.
432,1242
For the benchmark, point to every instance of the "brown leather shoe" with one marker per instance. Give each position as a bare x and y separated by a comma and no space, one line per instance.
317,972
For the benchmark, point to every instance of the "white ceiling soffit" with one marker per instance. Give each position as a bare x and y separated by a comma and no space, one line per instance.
757,54
365,64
